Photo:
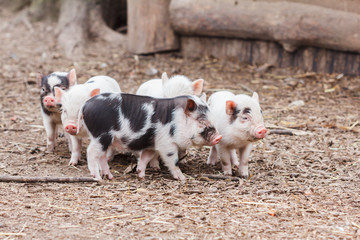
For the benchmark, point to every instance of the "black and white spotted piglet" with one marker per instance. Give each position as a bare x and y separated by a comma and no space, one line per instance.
126,122
50,110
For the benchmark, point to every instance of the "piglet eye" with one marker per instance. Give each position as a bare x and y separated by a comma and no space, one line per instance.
244,118
42,90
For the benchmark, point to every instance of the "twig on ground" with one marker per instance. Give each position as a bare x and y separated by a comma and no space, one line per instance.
112,217
12,234
22,179
294,131
281,131
305,75
246,88
356,225
219,177
130,168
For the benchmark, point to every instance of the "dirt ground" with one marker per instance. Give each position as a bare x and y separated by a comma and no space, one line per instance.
305,185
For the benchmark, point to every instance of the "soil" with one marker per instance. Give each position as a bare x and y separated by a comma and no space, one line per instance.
305,185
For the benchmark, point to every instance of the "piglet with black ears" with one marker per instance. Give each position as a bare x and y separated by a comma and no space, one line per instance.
239,119
50,110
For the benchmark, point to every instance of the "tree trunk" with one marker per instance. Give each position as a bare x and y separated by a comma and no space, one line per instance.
14,5
99,29
149,28
73,26
44,9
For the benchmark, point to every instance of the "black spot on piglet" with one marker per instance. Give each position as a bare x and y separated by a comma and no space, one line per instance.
208,132
145,141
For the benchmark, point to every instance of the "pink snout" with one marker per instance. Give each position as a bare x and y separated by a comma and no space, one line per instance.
49,101
261,132
216,140
71,129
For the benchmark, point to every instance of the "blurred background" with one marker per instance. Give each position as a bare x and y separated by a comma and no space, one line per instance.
319,36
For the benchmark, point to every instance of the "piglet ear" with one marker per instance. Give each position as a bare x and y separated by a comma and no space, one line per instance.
197,86
72,77
95,92
255,96
39,77
164,78
203,97
58,92
230,107
190,106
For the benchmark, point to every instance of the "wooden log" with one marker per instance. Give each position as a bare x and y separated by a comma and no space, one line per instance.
343,5
149,28
23,179
291,24
260,52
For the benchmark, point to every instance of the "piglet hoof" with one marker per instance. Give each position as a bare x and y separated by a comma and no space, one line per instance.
243,172
141,178
227,169
50,149
140,174
244,175
210,162
180,177
107,174
155,165
97,177
73,163
235,163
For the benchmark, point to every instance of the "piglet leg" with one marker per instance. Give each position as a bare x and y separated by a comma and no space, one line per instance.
212,156
234,158
75,150
244,158
94,153
169,154
154,162
145,157
104,166
225,157
50,128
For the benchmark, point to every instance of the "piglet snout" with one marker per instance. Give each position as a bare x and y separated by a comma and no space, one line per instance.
71,129
216,140
49,101
260,132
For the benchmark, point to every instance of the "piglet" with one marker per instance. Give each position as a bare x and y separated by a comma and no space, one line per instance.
126,122
72,101
50,110
239,120
167,88
177,85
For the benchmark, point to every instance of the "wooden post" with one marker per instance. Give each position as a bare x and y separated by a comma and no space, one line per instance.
149,28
